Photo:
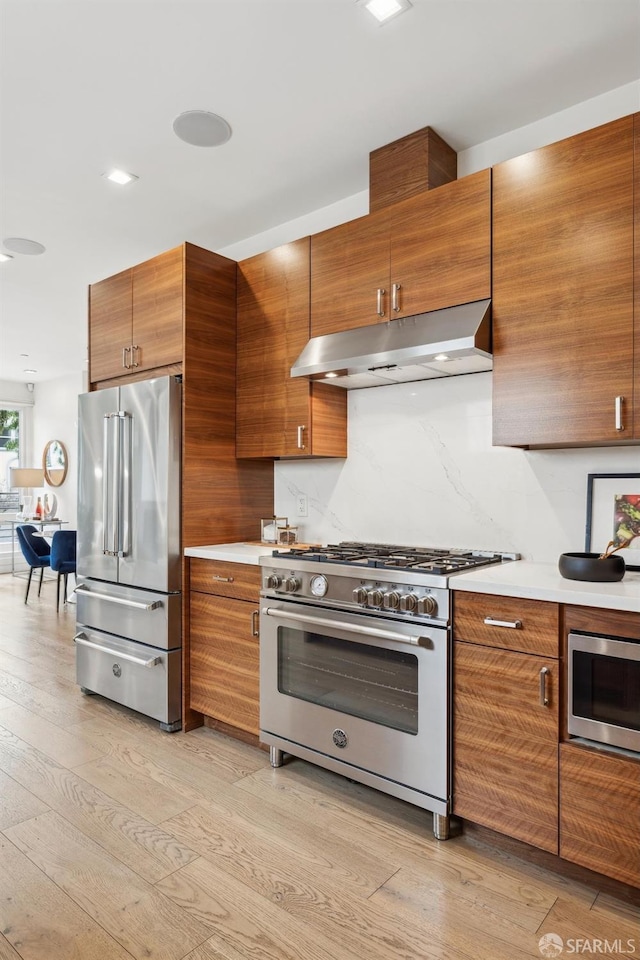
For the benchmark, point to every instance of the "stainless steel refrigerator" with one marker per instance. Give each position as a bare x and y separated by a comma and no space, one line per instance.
128,637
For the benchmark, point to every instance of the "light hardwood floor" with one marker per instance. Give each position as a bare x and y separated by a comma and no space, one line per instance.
119,841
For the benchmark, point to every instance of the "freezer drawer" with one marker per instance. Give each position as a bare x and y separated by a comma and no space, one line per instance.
141,615
144,678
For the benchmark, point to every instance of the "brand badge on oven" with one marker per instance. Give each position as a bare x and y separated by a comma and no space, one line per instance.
340,738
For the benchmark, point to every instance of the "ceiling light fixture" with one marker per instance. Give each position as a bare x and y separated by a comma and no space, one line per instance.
331,373
385,10
5,256
29,371
441,356
201,128
120,176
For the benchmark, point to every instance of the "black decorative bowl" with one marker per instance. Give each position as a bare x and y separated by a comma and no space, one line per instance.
587,566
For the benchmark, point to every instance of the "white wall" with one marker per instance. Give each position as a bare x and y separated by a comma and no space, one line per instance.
56,418
421,469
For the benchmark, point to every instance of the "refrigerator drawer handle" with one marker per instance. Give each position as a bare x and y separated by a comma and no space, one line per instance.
80,638
125,603
350,627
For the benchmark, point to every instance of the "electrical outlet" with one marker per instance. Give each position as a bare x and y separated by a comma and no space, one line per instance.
302,507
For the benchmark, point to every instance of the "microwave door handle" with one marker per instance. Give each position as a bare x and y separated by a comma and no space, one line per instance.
349,627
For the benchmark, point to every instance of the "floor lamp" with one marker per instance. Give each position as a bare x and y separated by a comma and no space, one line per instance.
27,478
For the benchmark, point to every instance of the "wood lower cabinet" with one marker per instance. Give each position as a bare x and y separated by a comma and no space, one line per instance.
506,717
276,415
600,811
563,292
224,643
424,253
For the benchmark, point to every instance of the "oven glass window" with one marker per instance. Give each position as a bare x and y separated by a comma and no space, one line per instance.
356,678
606,689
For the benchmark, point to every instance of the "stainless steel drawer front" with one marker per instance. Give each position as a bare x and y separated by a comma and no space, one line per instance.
144,678
140,615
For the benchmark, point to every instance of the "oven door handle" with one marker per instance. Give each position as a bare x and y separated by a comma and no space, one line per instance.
350,627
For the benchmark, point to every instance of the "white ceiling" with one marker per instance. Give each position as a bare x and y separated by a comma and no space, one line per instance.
309,87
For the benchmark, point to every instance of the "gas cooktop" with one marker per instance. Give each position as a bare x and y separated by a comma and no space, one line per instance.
384,556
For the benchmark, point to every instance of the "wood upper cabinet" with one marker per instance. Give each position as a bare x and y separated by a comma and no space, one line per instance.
136,317
505,736
563,324
427,252
277,415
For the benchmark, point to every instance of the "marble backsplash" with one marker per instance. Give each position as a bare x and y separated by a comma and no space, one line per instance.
421,471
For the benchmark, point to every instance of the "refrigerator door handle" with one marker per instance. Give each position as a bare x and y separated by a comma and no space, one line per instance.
124,483
151,662
109,485
154,605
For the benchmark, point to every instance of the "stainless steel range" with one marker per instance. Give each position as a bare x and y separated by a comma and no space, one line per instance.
355,644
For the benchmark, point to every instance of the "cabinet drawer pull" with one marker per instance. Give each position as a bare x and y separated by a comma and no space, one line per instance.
381,293
301,438
544,693
512,624
619,423
255,623
395,297
222,579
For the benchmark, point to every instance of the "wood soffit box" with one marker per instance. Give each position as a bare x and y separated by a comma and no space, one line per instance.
409,166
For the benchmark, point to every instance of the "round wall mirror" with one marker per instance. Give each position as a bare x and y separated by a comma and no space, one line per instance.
55,463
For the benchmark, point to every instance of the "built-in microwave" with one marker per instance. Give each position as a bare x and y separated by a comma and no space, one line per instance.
603,702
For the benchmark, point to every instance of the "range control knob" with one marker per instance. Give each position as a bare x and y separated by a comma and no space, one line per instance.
427,605
375,598
391,600
360,595
291,584
408,602
273,581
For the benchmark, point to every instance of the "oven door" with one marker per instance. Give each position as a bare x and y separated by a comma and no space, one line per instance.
369,692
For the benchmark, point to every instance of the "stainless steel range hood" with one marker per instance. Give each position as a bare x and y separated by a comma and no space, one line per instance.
442,343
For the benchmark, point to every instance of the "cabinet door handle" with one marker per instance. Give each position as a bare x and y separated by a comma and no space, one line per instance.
512,624
134,362
222,579
125,351
395,297
381,293
301,438
255,623
619,403
544,693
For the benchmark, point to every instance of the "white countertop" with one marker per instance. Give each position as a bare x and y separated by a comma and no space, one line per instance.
542,581
520,578
233,552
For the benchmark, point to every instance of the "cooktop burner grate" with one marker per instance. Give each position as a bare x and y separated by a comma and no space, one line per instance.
390,556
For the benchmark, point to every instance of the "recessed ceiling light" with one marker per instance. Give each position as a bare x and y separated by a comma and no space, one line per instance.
29,371
384,10
19,245
120,176
201,128
5,256
441,356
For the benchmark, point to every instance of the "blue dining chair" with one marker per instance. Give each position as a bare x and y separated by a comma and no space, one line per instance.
63,558
35,550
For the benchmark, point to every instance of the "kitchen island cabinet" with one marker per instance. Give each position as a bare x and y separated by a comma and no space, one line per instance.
563,292
424,253
277,416
224,644
506,716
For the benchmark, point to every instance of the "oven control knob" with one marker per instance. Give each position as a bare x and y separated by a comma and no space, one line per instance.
273,581
291,584
427,605
391,600
408,602
360,595
374,598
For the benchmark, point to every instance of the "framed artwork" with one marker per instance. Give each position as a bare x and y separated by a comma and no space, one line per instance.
613,513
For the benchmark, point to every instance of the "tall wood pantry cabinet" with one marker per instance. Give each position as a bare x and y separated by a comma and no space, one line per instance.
192,292
278,416
563,292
